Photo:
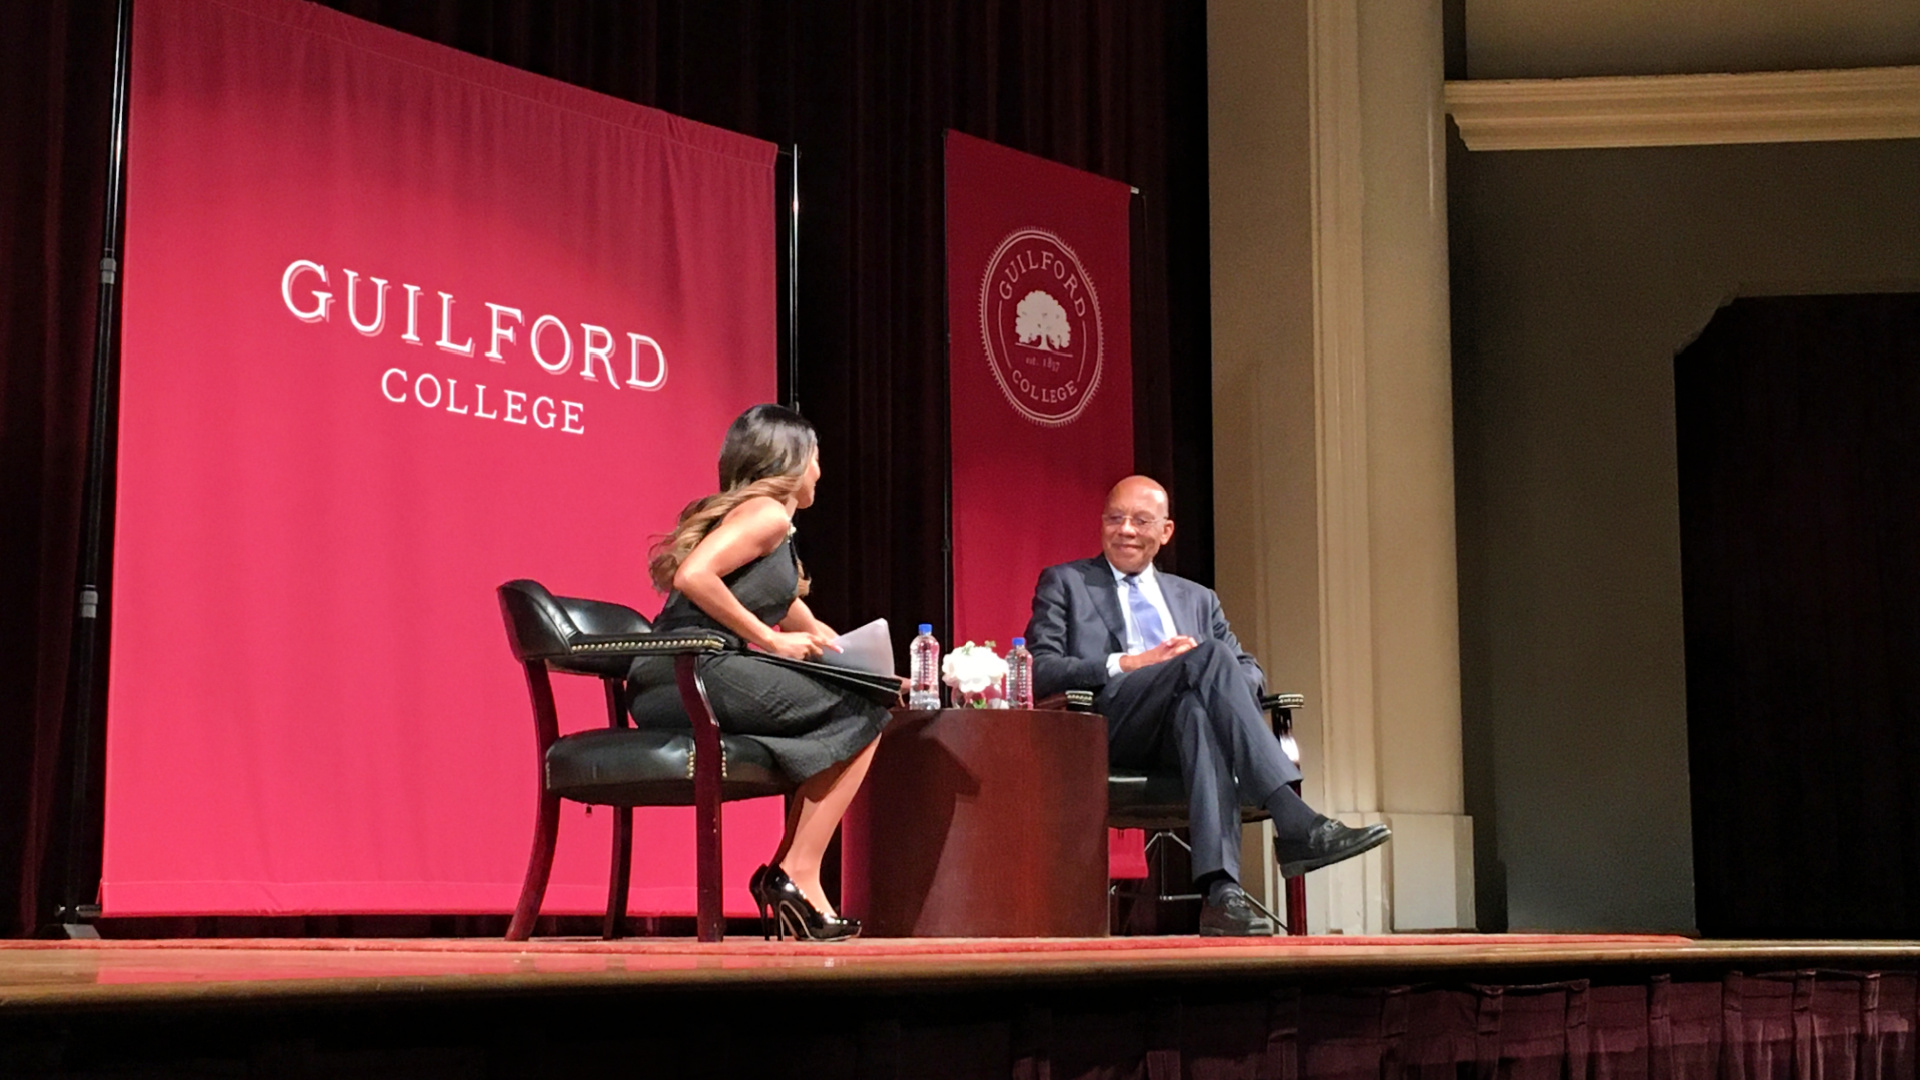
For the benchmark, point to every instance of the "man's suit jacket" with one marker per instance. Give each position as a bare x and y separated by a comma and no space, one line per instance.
1077,624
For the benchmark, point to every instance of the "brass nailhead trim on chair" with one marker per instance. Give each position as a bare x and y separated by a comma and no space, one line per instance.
651,645
723,761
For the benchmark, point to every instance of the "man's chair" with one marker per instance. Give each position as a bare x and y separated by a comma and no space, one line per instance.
620,766
1155,800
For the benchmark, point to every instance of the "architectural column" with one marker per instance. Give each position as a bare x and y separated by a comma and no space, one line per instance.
1409,406
1265,433
1332,427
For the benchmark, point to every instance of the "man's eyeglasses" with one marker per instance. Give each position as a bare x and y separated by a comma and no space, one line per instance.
1142,522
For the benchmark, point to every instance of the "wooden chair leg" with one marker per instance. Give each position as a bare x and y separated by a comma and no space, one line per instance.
1296,898
615,925
706,797
1297,907
546,826
546,830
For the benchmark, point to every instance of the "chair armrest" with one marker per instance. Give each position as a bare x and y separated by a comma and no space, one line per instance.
1280,708
1070,701
1280,712
633,646
607,656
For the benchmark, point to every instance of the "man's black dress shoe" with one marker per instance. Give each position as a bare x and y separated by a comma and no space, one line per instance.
1326,843
1228,913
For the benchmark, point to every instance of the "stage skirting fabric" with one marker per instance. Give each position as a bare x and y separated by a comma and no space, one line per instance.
400,325
1802,1026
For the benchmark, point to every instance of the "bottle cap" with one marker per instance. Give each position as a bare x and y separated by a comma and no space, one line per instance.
1018,642
926,628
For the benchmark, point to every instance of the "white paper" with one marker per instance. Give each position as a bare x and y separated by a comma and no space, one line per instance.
867,648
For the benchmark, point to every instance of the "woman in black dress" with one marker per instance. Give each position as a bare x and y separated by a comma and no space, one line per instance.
729,566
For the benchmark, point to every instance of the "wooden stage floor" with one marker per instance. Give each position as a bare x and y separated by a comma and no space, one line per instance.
43,975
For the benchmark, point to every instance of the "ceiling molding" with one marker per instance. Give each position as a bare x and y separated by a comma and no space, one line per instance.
1687,110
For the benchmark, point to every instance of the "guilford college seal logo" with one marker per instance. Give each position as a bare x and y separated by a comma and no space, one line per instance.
1040,319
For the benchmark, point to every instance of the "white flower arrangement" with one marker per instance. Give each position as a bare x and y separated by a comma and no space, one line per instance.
977,675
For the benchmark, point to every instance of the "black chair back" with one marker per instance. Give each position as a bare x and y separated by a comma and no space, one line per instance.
543,628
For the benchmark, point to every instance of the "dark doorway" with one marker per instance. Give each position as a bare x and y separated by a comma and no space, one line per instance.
1799,454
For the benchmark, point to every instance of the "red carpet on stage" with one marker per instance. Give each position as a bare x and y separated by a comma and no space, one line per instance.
753,945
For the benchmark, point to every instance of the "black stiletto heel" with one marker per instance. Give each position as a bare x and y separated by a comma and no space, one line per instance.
757,885
794,913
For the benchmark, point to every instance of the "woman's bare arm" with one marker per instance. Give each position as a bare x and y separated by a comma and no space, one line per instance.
750,530
801,617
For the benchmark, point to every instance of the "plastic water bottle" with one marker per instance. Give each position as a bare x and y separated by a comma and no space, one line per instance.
1020,675
925,670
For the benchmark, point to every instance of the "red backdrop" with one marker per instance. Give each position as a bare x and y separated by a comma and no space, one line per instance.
1040,349
1039,322
312,706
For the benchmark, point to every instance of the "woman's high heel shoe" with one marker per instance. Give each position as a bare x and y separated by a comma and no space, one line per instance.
795,914
757,886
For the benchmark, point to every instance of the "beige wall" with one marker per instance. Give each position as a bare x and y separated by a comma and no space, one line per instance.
1578,274
1539,39
1575,276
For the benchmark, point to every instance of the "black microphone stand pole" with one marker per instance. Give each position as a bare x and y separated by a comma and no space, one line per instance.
793,286
78,906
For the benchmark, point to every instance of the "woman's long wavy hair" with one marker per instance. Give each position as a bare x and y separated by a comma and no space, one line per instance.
766,452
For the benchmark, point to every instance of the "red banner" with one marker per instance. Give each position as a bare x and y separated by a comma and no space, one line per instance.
1039,317
400,325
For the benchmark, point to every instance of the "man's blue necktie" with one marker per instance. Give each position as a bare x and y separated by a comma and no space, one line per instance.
1145,619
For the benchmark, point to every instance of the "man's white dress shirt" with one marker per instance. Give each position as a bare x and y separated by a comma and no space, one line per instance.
1149,582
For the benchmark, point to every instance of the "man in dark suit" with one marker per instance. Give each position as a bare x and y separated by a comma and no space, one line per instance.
1174,685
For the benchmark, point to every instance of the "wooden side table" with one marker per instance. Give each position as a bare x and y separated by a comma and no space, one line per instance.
981,823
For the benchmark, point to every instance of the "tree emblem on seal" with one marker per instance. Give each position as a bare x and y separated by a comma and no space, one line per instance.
1041,318
1040,322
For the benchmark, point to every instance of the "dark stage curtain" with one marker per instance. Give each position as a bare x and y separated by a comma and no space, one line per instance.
865,88
1799,453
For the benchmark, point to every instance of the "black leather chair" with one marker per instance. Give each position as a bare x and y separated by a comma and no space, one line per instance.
1156,800
620,766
